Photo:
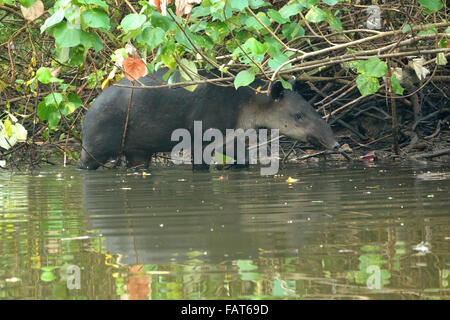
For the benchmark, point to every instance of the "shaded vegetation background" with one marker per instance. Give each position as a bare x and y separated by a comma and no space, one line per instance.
376,70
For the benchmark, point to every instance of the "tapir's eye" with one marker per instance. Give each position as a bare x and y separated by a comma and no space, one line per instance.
298,116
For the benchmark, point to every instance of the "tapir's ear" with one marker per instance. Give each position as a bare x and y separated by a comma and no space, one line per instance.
295,84
277,90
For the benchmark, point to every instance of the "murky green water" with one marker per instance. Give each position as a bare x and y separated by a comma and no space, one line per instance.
350,232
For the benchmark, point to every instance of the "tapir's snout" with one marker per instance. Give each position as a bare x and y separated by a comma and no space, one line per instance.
322,136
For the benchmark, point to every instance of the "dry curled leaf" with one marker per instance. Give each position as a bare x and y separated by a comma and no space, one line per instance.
417,65
184,7
33,12
161,5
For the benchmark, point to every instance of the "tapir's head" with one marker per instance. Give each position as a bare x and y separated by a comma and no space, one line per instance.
289,112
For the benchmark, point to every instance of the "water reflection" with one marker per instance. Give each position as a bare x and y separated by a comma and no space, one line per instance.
336,233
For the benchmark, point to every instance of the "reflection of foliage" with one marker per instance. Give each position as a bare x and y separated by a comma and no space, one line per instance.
246,268
284,288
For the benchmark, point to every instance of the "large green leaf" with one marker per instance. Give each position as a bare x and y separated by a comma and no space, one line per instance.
66,36
238,5
132,21
375,67
276,16
43,75
244,78
316,15
290,10
367,84
95,18
431,5
54,19
308,3
152,37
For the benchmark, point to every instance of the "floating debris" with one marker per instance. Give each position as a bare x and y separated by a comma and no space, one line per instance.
430,176
75,238
423,247
291,180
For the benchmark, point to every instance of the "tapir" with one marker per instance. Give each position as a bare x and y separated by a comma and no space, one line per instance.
155,113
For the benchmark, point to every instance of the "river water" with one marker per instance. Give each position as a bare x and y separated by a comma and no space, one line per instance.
317,231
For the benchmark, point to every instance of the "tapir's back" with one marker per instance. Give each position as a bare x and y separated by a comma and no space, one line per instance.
155,114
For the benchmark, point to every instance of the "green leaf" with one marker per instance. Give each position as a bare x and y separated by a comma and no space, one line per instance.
27,3
132,21
286,84
308,3
65,36
76,55
165,23
49,113
200,11
217,31
191,73
72,14
431,5
54,19
290,10
406,28
53,99
251,21
98,3
375,67
254,46
152,37
331,2
73,102
278,60
334,22
293,30
167,55
238,5
255,4
8,127
316,15
447,30
367,84
276,16
426,32
95,18
244,78
396,86
43,75
91,39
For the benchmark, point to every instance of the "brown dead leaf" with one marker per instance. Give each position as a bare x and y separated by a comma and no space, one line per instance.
134,67
161,5
33,12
